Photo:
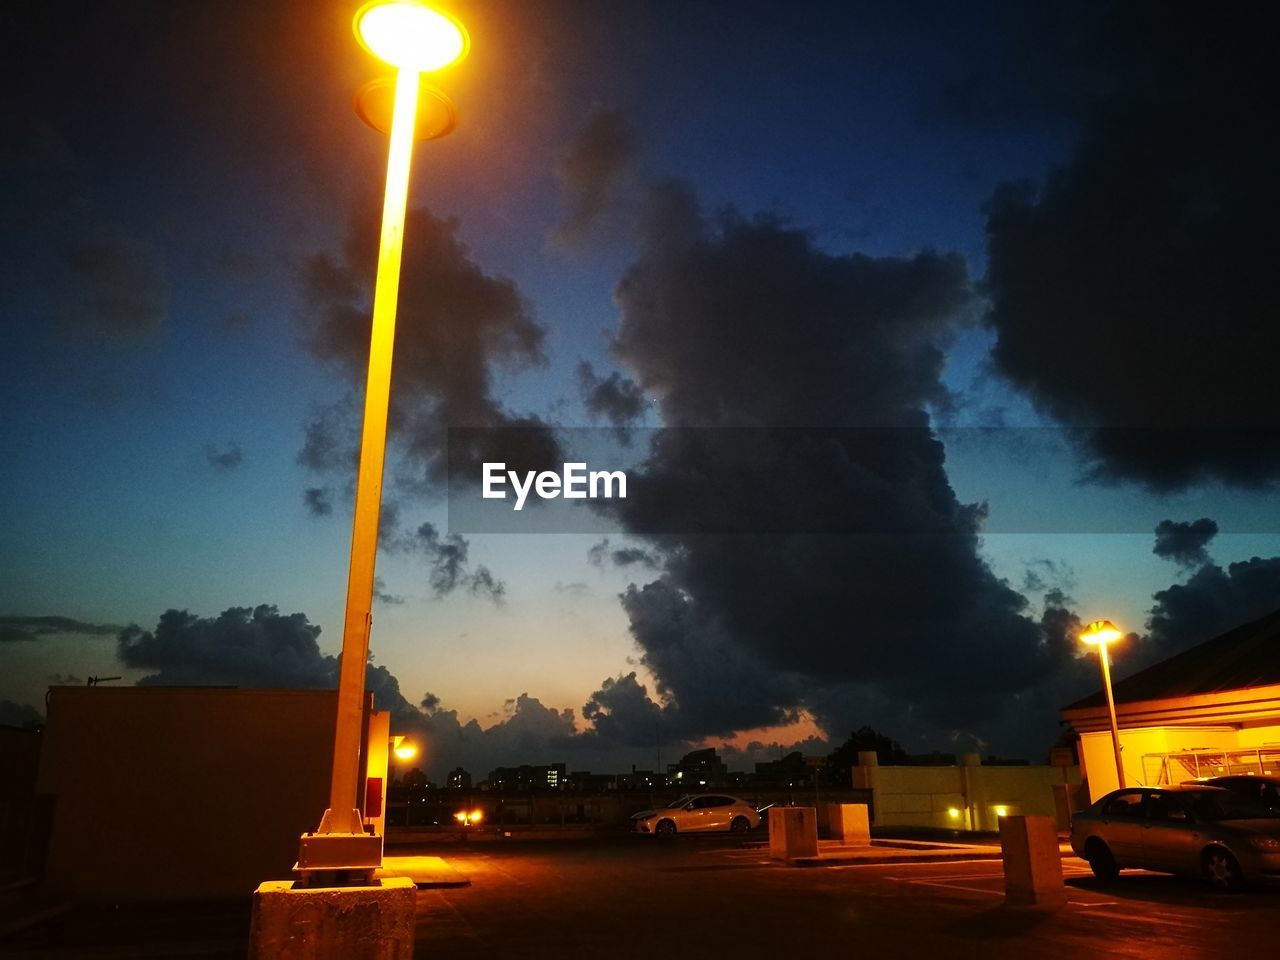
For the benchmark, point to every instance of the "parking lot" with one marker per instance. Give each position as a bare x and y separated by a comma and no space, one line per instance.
700,897
708,897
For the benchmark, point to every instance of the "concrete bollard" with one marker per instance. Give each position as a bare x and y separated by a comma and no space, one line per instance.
333,923
793,832
1032,862
848,822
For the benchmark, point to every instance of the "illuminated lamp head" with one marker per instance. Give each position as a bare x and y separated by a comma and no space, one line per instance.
410,36
1100,632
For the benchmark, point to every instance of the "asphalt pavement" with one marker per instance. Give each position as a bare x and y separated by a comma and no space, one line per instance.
718,897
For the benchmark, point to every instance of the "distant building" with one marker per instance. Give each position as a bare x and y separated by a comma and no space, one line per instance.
528,779
584,781
699,769
458,779
789,771
1208,711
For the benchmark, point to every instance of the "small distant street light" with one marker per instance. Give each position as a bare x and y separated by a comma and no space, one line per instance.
1100,634
414,39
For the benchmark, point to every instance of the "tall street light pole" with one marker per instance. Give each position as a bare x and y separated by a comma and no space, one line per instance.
414,39
1101,633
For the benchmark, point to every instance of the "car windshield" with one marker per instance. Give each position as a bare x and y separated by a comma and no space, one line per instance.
1221,805
677,804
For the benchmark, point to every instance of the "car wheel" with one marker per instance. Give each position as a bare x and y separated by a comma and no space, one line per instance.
665,828
740,825
1222,870
1101,861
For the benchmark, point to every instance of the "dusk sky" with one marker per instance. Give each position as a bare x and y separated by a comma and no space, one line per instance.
1032,241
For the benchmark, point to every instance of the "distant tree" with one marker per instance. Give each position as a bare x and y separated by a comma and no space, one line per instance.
844,758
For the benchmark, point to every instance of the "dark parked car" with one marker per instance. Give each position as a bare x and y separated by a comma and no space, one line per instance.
1264,789
1190,829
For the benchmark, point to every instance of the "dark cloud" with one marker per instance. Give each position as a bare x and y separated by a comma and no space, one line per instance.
1184,543
381,595
243,646
589,169
319,501
832,361
14,628
1053,578
627,556
456,328
21,715
1132,291
447,558
613,398
227,458
118,287
1212,601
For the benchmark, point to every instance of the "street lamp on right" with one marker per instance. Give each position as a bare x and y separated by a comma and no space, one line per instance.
1100,634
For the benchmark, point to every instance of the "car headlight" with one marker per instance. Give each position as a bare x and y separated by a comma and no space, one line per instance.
1269,844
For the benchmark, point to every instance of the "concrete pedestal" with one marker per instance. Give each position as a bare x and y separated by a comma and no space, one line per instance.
793,832
333,923
1032,862
847,822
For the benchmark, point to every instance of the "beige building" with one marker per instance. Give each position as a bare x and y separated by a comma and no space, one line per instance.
1207,712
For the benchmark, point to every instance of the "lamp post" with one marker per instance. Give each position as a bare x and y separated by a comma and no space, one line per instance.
1100,633
414,39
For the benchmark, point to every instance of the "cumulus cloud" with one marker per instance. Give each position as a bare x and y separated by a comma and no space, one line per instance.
589,169
1184,543
225,458
242,646
794,386
456,328
1131,291
16,629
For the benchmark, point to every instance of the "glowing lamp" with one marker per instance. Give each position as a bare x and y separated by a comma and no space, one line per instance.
410,36
1100,632
404,749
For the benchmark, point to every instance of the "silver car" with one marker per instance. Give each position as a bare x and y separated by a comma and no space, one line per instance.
697,813
1191,829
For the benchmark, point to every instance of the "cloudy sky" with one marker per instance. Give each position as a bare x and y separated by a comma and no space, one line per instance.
936,328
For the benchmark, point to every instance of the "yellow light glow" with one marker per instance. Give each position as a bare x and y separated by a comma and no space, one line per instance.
410,36
461,816
1002,811
406,751
476,816
953,812
1100,632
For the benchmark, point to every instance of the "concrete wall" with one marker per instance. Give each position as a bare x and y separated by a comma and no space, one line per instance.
180,793
967,797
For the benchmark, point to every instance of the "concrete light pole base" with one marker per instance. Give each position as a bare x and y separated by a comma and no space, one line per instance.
333,923
1032,862
793,833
